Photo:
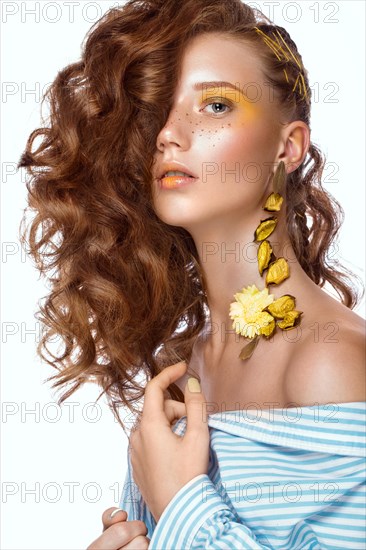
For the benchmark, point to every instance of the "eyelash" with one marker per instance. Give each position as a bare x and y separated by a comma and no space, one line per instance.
218,100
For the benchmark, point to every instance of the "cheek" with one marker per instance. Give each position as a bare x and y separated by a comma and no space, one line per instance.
239,144
242,153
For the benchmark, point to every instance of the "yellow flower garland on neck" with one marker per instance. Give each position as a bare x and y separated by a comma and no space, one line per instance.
255,312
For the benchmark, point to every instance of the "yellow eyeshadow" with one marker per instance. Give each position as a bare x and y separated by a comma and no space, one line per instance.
248,109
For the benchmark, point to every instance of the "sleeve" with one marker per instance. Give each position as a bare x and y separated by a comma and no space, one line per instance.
132,502
130,496
197,517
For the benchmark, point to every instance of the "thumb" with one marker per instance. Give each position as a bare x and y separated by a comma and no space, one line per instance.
195,406
113,515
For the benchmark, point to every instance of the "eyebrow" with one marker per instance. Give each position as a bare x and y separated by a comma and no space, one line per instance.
217,84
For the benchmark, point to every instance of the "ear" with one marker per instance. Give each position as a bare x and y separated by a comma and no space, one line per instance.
295,143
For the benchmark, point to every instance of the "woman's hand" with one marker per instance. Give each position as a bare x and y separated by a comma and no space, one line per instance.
162,461
119,533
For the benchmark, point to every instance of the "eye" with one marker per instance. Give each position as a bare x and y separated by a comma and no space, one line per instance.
217,103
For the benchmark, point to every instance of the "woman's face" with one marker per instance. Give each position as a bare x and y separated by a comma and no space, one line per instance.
228,138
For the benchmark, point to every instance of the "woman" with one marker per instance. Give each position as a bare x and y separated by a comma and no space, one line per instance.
267,451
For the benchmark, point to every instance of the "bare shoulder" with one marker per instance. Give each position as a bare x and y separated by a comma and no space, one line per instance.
328,365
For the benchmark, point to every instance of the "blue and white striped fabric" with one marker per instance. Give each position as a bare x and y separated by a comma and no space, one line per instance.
278,478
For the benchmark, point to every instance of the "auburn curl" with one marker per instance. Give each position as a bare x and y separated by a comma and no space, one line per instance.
127,295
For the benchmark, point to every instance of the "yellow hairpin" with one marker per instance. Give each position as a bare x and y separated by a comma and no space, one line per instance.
282,54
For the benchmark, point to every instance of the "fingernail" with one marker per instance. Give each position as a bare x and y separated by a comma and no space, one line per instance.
194,385
115,512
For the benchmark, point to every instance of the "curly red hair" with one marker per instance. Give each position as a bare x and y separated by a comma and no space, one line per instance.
124,282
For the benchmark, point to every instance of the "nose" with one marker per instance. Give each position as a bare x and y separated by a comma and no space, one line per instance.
174,133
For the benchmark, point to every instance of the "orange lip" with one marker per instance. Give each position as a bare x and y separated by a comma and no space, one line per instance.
172,182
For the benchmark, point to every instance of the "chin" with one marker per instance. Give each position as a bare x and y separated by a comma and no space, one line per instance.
176,212
170,219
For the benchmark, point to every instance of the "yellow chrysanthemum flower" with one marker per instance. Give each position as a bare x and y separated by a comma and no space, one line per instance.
247,313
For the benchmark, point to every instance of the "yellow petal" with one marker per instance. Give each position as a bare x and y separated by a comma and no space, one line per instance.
264,255
237,325
291,319
273,203
265,228
268,329
251,329
264,318
277,272
250,290
282,305
250,297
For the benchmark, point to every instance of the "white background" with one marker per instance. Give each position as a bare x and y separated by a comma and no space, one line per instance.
57,446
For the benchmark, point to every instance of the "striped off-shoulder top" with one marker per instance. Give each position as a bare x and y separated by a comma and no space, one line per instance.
286,479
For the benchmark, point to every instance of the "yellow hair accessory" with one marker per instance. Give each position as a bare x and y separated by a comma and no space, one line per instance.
286,55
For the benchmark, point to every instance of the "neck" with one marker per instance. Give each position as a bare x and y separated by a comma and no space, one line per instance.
228,259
